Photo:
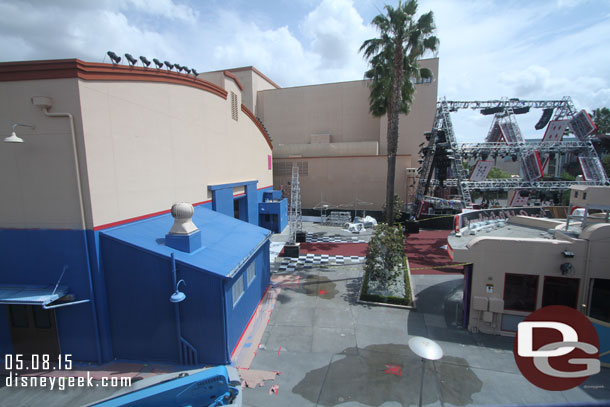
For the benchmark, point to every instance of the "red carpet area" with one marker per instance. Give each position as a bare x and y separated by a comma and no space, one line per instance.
344,249
424,252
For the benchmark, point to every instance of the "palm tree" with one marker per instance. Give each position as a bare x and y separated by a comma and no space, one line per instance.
393,59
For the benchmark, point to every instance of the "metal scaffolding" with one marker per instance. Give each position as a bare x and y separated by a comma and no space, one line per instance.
295,219
442,157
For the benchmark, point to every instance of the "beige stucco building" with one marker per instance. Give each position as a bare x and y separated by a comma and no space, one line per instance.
522,263
341,148
141,135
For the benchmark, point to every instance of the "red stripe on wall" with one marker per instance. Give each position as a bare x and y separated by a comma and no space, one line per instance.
257,124
231,75
75,68
151,215
251,317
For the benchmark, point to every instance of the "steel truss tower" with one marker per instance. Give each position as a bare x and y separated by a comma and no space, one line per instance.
443,156
295,220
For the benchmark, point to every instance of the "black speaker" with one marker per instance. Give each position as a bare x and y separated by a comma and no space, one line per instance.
545,118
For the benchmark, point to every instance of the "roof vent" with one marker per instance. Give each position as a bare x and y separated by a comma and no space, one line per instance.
183,235
183,215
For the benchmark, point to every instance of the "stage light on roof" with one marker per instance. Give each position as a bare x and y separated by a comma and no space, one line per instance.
158,63
144,60
114,57
132,61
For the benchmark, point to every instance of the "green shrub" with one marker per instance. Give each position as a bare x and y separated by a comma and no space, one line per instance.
396,209
365,296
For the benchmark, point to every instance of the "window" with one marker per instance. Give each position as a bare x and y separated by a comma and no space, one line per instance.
238,289
251,273
234,110
520,292
560,291
575,194
584,195
284,168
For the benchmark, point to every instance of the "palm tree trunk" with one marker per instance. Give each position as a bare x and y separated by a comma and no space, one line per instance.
393,115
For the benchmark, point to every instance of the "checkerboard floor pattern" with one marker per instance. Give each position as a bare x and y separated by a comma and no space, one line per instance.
310,260
318,238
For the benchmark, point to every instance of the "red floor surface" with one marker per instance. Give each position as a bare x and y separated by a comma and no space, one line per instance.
424,252
344,249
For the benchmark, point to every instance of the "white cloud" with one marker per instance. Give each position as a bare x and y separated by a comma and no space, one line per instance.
164,8
86,30
489,49
336,31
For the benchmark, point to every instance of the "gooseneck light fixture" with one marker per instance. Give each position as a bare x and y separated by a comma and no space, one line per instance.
13,138
178,296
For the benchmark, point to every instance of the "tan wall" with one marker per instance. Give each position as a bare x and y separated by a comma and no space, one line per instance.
326,149
150,145
252,83
341,179
292,115
599,251
494,257
142,147
37,177
596,195
411,127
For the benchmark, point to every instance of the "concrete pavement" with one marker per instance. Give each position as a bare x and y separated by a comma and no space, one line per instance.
333,351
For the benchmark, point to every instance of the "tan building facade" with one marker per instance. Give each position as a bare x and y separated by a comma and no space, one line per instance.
341,148
524,263
145,139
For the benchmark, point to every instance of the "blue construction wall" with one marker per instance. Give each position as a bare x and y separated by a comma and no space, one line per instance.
273,215
260,192
239,315
202,314
142,319
5,334
222,201
101,297
37,257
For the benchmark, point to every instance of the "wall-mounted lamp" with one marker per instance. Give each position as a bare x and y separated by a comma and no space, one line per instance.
566,268
13,138
178,296
568,254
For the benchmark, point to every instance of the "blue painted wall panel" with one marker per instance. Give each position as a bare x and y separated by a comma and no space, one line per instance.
37,257
242,203
273,215
222,201
252,201
143,323
99,289
201,314
139,285
239,315
5,335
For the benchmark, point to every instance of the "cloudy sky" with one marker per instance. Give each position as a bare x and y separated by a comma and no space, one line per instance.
489,48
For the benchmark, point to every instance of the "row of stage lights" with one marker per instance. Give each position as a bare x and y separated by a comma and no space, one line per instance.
145,62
